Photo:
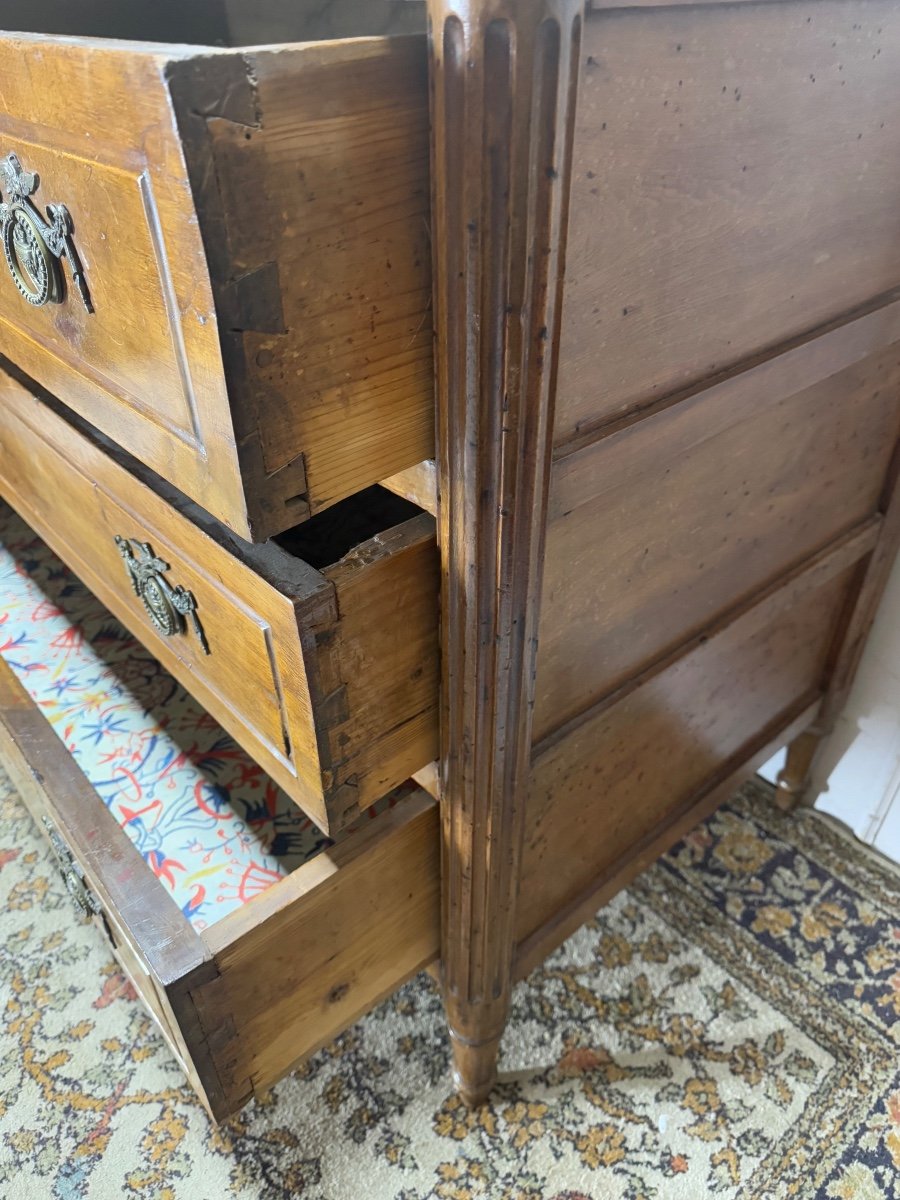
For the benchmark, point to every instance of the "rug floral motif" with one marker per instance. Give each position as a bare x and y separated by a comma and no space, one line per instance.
726,1027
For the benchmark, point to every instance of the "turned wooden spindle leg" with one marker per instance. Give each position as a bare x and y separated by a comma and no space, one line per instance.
503,76
793,778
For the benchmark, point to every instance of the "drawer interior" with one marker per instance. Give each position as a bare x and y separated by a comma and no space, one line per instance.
217,22
339,531
209,824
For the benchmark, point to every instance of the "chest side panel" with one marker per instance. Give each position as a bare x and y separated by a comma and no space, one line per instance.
735,175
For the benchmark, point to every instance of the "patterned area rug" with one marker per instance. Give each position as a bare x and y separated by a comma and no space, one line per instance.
728,1026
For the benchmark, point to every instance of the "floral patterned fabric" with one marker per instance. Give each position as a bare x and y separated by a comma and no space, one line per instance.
727,1027
213,828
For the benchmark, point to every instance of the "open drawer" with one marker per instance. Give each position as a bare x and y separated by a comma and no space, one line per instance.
240,999
318,655
244,304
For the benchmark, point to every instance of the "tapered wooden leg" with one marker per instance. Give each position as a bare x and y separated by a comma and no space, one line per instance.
474,1067
503,75
793,778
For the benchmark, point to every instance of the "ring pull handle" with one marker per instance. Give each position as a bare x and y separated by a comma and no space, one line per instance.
34,246
73,877
167,606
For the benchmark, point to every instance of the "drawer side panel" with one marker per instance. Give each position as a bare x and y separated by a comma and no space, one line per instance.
292,977
388,657
314,204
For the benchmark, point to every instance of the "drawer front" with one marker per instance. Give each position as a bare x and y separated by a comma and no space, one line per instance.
262,343
267,659
244,1002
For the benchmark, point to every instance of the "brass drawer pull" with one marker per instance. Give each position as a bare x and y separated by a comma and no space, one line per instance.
33,247
81,894
167,606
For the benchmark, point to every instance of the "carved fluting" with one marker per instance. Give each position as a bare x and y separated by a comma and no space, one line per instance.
503,96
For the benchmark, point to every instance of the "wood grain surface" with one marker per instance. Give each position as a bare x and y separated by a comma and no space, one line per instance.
313,200
311,955
503,93
93,118
418,483
261,335
678,822
328,679
658,528
614,778
735,172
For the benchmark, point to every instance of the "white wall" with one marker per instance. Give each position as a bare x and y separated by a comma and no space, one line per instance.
857,775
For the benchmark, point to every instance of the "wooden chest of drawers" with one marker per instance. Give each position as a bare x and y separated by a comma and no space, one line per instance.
667,387
667,383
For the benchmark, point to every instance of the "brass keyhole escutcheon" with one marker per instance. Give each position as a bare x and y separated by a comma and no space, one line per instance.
33,245
169,607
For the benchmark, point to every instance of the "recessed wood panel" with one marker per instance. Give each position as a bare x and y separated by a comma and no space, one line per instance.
735,180
94,121
131,346
657,529
598,791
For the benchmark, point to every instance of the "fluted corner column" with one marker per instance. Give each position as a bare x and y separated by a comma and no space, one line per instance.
503,76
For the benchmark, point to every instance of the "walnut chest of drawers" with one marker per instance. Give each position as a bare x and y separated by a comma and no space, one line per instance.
660,242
